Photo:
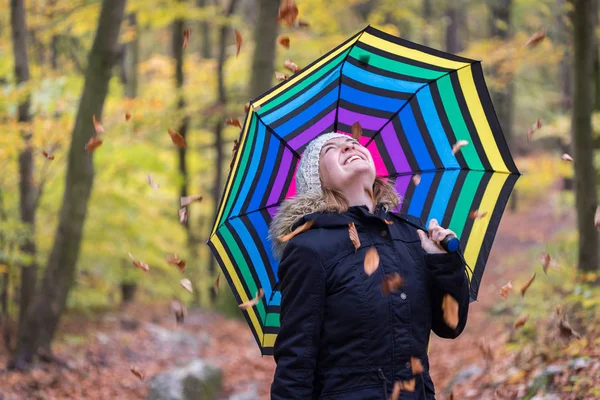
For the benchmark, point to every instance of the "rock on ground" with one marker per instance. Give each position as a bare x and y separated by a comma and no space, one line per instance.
195,381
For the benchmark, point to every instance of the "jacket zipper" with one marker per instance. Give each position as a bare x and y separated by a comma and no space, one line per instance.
384,379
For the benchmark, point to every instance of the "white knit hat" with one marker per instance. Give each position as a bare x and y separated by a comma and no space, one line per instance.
307,175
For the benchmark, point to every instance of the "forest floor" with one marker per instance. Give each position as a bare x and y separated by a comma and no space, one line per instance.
99,350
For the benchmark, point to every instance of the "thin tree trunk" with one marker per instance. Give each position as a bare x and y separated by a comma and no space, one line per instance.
27,187
265,42
131,60
564,38
205,48
44,314
4,286
427,16
583,146
453,42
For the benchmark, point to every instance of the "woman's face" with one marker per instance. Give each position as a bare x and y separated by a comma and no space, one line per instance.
343,162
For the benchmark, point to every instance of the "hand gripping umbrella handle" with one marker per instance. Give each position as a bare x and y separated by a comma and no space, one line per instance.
450,243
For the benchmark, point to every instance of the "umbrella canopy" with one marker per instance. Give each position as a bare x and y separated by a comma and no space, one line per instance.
413,103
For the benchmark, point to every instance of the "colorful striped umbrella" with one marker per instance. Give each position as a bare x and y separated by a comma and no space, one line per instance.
413,103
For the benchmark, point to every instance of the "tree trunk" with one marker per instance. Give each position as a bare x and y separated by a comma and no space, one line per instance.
583,146
265,42
131,60
205,49
453,42
27,189
427,15
43,316
564,38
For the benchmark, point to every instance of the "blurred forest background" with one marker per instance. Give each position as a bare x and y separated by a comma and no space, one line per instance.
72,214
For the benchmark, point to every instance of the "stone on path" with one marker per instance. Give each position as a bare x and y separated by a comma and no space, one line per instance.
197,380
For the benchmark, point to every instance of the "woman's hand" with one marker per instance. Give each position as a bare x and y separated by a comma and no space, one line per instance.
431,243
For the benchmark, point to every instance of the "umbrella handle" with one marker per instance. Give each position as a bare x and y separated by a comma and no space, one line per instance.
450,243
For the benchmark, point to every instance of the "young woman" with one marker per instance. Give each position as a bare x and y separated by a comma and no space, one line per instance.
343,335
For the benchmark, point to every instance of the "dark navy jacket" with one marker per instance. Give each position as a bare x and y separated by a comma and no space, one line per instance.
341,337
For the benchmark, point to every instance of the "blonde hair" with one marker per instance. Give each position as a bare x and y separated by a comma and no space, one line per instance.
383,191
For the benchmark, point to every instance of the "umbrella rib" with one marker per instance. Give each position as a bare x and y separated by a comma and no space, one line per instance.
294,152
412,96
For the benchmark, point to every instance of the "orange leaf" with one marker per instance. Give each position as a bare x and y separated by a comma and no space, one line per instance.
416,179
450,309
97,126
353,235
187,200
177,139
139,374
476,214
408,386
187,285
48,155
356,130
566,157
250,303
172,259
302,228
388,222
458,145
521,321
238,42
546,260
139,264
526,286
597,218
371,261
234,122
183,215
281,77
289,64
396,391
216,285
233,153
391,283
284,41
533,128
416,366
151,182
93,144
247,107
288,13
186,37
536,38
506,289
127,116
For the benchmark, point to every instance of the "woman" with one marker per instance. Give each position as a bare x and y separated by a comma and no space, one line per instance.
342,336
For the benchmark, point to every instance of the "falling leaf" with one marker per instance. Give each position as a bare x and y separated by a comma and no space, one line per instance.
97,126
303,24
546,260
93,144
476,214
177,139
233,153
526,286
289,64
173,259
416,179
396,391
416,366
486,351
139,374
183,215
458,145
565,329
408,386
139,264
521,321
506,289
353,235
234,122
186,37
536,38
450,309
356,130
187,200
187,285
178,308
127,116
151,182
216,285
388,222
288,13
566,157
302,228
254,301
371,261
284,41
281,77
391,283
533,128
247,107
597,218
238,42
48,155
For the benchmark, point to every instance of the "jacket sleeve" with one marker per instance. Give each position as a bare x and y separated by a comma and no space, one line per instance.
302,278
447,274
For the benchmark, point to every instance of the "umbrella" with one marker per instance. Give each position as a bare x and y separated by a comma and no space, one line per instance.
413,103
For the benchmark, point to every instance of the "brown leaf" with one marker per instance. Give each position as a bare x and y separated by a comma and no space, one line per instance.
416,179
284,41
476,214
303,24
177,139
533,128
396,391
565,329
288,13
183,215
186,37
173,259
187,200
187,285
289,64
281,77
233,152
302,228
450,310
526,286
141,265
247,107
178,308
485,350
97,125
139,374
127,116
250,303
566,157
238,42
353,235
356,130
388,222
151,182
408,386
546,260
458,145
48,155
536,38
521,321
216,285
391,283
597,218
234,122
371,261
506,289
416,366
93,144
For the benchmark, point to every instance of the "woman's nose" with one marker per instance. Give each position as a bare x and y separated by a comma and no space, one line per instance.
347,146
